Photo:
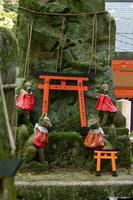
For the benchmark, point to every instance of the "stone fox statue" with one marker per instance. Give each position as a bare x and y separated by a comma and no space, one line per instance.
95,137
30,147
105,105
25,103
41,135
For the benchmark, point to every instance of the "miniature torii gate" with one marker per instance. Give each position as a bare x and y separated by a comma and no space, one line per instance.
79,87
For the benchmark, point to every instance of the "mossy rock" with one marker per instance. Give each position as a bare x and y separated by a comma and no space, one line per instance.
64,5
119,120
34,166
121,142
119,130
21,136
65,149
84,190
124,153
29,153
76,53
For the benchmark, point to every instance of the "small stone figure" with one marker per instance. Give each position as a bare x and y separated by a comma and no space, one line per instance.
25,104
95,138
104,104
41,135
25,100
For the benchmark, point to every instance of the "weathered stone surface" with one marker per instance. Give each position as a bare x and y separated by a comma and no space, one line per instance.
76,49
74,45
65,149
70,190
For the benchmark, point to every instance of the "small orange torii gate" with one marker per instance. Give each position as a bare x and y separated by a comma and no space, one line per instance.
63,85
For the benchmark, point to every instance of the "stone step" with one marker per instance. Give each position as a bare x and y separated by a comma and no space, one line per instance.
74,190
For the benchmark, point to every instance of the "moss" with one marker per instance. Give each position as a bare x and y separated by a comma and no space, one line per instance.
29,153
124,156
8,49
90,165
119,130
119,120
78,192
120,141
112,136
65,149
34,166
8,19
23,134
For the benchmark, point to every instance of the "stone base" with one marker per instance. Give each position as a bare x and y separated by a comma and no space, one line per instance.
70,190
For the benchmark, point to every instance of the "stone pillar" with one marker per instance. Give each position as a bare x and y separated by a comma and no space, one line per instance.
125,107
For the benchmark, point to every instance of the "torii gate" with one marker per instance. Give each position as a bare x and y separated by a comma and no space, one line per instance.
63,79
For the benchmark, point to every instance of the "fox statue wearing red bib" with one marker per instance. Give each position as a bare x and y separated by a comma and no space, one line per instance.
25,100
25,103
41,135
105,105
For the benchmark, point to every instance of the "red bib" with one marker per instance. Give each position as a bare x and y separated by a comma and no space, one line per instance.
25,101
40,138
105,104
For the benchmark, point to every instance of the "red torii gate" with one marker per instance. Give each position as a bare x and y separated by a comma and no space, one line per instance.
79,87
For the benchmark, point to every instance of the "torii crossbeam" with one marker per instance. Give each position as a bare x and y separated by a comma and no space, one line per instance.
79,87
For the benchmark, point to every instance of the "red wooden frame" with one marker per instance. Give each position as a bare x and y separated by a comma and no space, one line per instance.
79,87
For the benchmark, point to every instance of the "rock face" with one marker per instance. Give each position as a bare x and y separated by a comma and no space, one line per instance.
75,37
76,44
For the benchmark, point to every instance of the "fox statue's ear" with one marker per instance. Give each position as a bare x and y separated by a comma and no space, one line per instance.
43,115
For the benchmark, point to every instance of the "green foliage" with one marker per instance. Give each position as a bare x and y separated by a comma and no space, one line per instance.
7,19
